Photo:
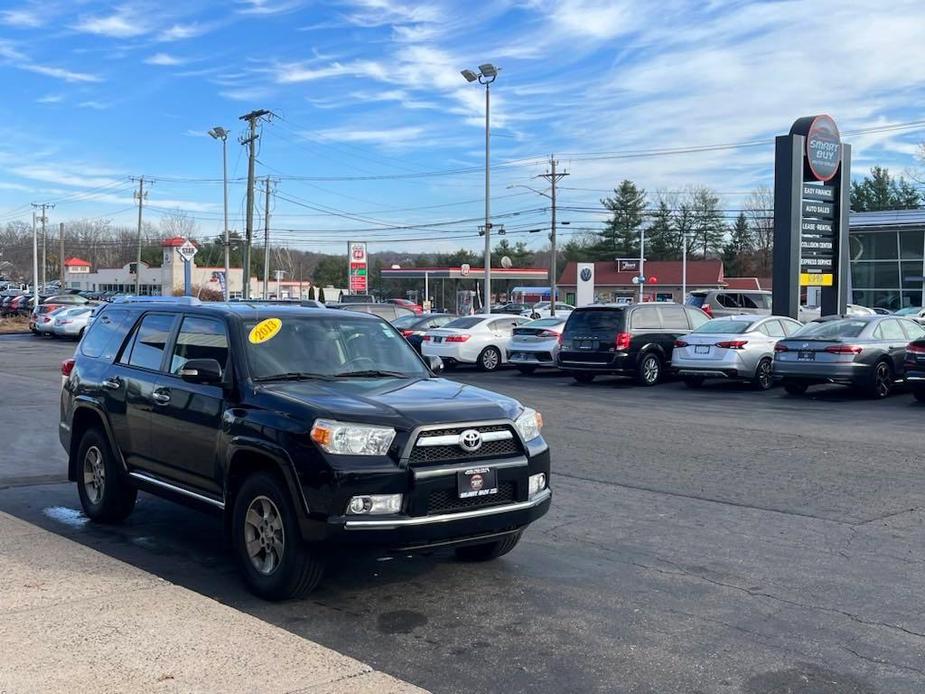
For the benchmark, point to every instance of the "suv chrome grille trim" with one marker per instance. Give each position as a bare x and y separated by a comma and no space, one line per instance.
452,439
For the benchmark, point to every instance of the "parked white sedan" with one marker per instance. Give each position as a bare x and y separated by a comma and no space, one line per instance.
483,340
72,322
542,310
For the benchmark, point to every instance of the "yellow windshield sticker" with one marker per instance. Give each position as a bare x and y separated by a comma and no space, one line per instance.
265,330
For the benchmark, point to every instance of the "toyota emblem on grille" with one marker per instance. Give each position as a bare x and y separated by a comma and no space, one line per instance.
470,440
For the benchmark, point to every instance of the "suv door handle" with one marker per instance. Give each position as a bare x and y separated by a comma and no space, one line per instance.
160,397
112,383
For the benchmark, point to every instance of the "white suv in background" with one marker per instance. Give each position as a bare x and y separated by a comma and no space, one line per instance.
541,310
483,340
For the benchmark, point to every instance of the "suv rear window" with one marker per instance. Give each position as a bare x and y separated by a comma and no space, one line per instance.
463,323
106,334
595,321
695,300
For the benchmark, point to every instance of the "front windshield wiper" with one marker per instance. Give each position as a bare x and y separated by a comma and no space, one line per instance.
291,376
372,373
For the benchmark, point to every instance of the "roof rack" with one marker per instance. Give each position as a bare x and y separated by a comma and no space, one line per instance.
181,300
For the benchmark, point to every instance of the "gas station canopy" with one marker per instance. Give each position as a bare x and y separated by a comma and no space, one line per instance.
460,273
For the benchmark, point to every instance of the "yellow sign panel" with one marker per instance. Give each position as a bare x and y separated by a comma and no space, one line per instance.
265,330
815,279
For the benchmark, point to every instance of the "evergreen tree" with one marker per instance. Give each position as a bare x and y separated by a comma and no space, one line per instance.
661,241
709,230
321,294
621,236
682,226
880,191
311,292
738,248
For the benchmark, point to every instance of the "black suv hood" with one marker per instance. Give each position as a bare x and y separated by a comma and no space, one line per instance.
399,403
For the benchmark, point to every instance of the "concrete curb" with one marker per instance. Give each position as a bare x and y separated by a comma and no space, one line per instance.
75,620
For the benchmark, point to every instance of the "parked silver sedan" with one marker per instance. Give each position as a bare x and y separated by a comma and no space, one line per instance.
867,352
72,322
536,343
734,347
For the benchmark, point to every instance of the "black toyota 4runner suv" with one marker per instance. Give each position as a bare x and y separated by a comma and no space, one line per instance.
305,427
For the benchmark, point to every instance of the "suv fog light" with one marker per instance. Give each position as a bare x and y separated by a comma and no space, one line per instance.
537,484
374,504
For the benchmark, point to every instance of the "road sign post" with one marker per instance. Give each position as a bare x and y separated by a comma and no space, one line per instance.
187,252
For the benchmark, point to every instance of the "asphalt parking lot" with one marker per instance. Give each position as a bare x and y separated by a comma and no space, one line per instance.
717,540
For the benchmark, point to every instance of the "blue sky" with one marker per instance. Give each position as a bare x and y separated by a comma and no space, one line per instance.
96,92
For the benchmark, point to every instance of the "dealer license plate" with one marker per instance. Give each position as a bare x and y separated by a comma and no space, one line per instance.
477,481
806,355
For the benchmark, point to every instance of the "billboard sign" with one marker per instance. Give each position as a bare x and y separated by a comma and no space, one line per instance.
358,267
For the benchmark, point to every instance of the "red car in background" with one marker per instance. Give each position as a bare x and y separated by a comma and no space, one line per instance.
405,303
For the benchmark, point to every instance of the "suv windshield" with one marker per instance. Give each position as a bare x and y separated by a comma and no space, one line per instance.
311,346
831,329
595,321
726,327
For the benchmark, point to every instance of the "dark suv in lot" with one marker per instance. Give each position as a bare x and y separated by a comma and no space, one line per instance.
627,340
305,427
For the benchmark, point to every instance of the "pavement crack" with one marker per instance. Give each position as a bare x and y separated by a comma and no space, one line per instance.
879,661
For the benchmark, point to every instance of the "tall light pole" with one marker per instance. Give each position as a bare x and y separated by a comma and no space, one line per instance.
487,74
219,133
684,267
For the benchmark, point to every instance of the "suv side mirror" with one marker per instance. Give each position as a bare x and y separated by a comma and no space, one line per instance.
201,371
435,363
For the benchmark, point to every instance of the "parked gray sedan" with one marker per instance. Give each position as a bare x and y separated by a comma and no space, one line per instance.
867,352
735,347
536,343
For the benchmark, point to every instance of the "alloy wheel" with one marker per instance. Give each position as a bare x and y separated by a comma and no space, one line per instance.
264,536
764,374
883,380
490,359
650,369
94,475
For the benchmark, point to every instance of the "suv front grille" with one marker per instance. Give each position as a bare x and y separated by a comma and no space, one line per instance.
446,500
490,449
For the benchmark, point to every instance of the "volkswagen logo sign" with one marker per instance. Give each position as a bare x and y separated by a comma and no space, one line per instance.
585,274
470,440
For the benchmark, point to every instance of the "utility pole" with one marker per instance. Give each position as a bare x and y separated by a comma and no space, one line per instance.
266,240
250,140
642,261
35,261
43,219
140,195
61,252
553,177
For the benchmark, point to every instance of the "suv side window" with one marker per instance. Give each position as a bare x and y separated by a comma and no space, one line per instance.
200,338
727,300
146,349
696,317
646,318
106,334
673,318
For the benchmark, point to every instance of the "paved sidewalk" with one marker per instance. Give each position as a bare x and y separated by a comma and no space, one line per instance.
75,620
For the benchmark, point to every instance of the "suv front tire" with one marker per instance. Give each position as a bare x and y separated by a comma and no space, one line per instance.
268,547
106,494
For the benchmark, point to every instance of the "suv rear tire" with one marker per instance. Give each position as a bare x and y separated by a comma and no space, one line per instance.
106,494
268,546
488,550
649,372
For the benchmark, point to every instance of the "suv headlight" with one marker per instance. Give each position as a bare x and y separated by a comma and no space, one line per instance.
346,438
529,424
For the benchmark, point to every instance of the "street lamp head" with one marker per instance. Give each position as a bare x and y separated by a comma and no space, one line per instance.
488,70
218,132
469,75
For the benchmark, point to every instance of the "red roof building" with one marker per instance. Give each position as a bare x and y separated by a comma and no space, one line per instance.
614,279
76,262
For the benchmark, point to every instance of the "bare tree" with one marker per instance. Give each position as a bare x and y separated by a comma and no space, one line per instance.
759,208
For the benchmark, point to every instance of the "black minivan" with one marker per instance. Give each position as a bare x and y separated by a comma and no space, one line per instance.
626,340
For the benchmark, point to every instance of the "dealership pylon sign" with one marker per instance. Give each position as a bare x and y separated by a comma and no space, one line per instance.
812,187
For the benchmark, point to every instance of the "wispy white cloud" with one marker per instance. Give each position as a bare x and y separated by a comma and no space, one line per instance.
22,17
292,73
390,137
125,23
95,105
196,133
370,13
11,55
50,99
164,59
267,7
180,32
